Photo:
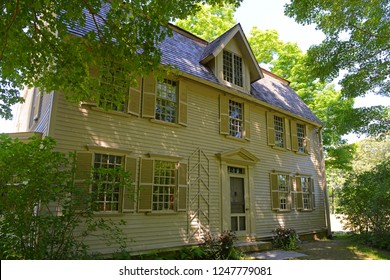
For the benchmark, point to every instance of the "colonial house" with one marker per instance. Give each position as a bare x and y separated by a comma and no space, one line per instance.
222,145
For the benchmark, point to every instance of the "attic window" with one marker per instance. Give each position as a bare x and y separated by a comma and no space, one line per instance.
232,68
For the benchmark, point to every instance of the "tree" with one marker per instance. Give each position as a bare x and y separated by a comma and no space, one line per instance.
210,21
357,40
40,204
37,50
365,201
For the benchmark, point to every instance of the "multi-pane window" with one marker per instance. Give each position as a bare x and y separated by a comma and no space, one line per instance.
279,131
283,186
235,119
166,101
232,68
281,192
164,185
106,185
301,135
115,88
306,197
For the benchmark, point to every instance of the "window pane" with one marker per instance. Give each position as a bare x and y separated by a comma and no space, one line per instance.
105,186
279,131
235,119
166,101
164,186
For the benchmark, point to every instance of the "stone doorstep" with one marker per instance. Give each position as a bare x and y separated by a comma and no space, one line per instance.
253,246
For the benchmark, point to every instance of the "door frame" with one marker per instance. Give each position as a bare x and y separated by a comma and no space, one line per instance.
240,158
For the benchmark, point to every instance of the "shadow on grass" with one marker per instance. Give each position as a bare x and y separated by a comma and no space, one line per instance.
341,247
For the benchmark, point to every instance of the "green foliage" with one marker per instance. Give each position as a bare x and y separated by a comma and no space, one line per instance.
36,49
357,40
365,200
39,218
214,247
210,21
285,238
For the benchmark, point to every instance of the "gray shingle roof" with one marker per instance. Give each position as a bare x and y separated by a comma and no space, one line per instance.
186,54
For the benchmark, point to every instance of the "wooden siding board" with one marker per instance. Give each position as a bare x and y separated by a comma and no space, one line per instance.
79,126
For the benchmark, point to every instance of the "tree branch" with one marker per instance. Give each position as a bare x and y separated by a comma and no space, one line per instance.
16,11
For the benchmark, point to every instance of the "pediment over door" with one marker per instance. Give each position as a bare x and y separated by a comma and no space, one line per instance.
238,156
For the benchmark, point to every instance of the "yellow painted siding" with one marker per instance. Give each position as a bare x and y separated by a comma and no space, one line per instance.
75,127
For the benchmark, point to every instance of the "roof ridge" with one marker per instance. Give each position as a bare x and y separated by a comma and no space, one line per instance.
269,73
187,34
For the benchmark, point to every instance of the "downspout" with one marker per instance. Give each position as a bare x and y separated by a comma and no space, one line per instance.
325,188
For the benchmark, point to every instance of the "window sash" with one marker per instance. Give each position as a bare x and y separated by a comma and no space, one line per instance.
166,101
106,185
235,119
279,131
301,135
164,186
232,68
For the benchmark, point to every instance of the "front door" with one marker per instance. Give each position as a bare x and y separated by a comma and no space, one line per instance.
238,221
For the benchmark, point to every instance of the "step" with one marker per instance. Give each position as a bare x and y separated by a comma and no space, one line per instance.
253,246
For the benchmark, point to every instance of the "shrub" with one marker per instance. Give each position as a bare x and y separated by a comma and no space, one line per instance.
38,218
365,201
214,247
285,238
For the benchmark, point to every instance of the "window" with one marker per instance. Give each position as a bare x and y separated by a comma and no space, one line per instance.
279,132
106,184
106,180
163,186
116,89
235,119
301,135
305,193
232,68
281,192
166,101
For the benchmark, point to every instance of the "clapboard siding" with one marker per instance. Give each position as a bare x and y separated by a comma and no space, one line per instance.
78,126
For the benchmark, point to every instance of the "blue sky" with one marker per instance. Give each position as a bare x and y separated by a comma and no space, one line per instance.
269,14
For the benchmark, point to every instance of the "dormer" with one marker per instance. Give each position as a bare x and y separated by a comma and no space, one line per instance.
232,61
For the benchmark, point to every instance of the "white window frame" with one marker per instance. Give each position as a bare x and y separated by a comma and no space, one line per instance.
104,202
233,68
167,101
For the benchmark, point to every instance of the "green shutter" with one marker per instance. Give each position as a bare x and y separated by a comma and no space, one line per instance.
224,114
299,193
274,191
247,121
145,192
287,138
294,136
134,105
149,97
82,180
182,116
128,204
270,129
182,188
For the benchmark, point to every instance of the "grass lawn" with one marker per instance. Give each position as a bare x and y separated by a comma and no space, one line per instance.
341,247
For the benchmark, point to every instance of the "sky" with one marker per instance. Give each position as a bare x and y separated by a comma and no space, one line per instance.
269,14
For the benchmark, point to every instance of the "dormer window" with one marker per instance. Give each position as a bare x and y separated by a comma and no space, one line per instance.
232,68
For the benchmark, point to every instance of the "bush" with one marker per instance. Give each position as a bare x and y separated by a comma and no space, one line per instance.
365,201
38,218
285,238
214,247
